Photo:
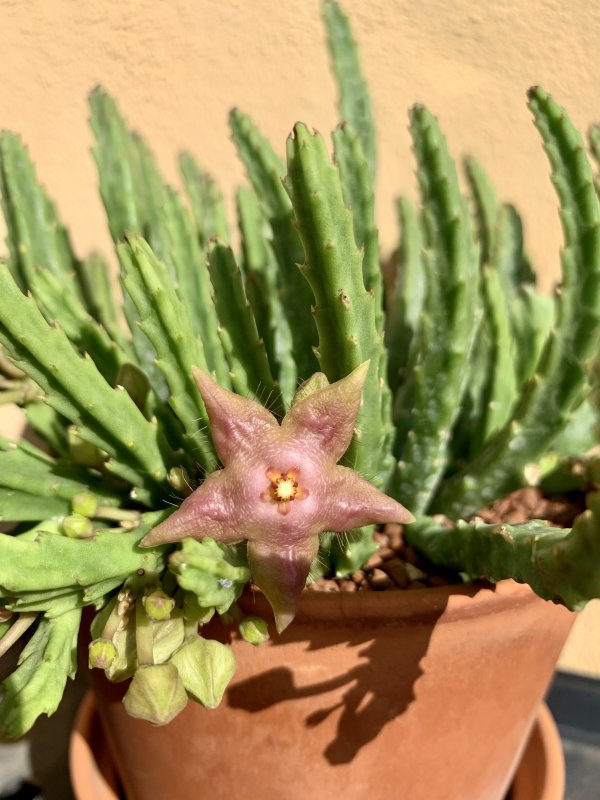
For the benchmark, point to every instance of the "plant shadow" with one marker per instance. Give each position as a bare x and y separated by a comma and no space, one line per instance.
376,687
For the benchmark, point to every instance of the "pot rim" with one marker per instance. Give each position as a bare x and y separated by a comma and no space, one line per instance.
414,606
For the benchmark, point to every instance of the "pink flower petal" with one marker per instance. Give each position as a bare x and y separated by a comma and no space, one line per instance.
208,511
325,419
353,502
235,422
281,574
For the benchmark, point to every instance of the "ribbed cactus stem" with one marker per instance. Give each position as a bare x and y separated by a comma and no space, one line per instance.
561,379
354,102
249,367
265,169
344,311
560,564
449,321
73,385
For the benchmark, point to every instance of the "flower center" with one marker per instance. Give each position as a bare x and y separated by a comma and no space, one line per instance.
283,488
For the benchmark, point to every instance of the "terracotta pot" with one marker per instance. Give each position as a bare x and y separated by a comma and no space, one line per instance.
540,774
93,775
425,695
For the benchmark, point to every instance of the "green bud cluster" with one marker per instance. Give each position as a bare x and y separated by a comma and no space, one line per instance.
215,573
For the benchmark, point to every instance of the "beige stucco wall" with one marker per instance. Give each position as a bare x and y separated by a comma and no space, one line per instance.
178,66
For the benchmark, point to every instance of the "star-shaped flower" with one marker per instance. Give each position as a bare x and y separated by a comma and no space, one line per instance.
281,485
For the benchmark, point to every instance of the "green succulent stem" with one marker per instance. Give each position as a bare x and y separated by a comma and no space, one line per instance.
354,101
22,623
561,379
264,169
560,564
449,321
344,311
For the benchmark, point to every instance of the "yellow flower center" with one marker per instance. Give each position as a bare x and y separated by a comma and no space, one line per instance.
283,488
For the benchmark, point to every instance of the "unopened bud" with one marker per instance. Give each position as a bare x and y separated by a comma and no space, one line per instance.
179,480
77,526
85,503
167,637
101,653
82,452
158,605
254,630
206,667
135,383
309,386
156,694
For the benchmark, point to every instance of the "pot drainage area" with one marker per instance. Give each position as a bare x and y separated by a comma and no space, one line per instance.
37,768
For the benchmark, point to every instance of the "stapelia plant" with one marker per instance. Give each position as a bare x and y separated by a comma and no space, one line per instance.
176,457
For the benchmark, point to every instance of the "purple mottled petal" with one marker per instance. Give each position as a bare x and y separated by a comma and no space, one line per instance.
352,502
235,422
325,419
206,512
281,573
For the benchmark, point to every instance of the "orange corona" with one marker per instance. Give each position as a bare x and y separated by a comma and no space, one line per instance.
283,489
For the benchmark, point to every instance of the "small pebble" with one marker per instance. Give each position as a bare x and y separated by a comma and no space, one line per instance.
358,576
380,580
395,537
348,586
396,569
326,585
375,561
385,553
381,539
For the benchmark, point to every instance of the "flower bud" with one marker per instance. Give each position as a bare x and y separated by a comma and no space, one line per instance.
85,503
76,526
101,653
310,385
206,667
254,630
213,572
179,480
156,694
82,452
167,637
158,605
135,383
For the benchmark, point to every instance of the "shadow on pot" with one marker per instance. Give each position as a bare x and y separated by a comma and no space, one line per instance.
367,696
